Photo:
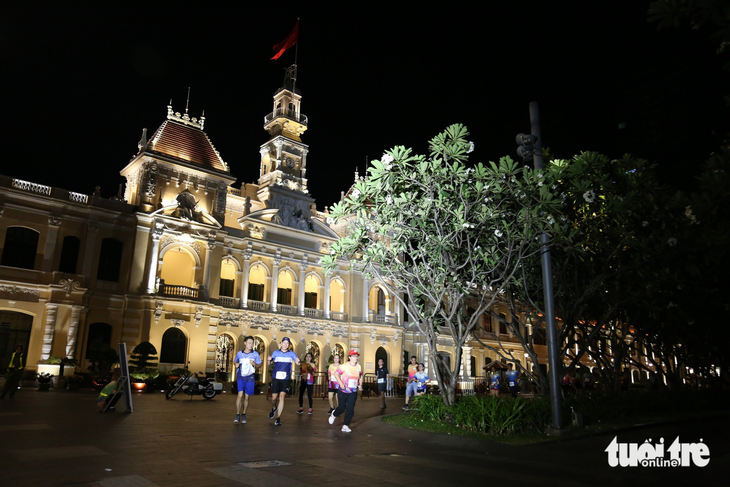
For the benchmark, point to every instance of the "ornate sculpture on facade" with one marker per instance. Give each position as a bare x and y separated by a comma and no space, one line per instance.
186,205
292,213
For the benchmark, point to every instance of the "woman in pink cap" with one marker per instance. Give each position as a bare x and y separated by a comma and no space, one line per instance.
349,380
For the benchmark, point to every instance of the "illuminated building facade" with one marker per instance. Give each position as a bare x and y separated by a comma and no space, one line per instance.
191,264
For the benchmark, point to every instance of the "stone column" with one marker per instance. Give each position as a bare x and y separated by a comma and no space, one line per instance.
275,281
246,275
365,304
302,277
72,334
49,330
326,296
53,223
208,264
154,257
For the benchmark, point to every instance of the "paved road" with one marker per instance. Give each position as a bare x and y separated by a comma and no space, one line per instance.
55,438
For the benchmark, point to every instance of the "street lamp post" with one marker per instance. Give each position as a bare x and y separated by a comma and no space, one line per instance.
532,145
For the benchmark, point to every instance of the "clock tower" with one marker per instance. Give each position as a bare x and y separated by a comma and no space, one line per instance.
282,178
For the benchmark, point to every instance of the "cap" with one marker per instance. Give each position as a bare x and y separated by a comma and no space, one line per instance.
287,339
353,352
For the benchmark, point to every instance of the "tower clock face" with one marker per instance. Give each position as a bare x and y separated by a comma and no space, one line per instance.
290,163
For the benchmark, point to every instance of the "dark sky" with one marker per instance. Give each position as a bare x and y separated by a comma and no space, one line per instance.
79,82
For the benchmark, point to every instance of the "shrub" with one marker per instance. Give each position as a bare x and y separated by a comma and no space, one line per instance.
486,414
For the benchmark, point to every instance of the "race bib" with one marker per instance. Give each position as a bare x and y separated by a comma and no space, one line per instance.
309,377
246,367
281,375
381,380
511,384
352,383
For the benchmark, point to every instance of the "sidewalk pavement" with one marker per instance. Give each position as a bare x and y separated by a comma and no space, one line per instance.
56,438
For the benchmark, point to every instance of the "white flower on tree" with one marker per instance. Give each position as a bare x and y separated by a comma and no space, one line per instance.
356,194
498,232
471,148
589,196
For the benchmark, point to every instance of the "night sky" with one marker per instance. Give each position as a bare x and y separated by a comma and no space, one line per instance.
80,82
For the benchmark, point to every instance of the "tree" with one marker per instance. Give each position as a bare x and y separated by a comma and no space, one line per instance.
445,235
144,362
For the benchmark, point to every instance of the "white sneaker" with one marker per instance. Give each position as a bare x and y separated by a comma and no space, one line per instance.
346,428
331,419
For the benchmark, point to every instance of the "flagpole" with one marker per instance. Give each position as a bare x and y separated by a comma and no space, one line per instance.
296,55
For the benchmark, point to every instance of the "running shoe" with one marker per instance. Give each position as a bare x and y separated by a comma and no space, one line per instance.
330,411
238,416
243,419
310,411
277,422
272,413
300,411
346,428
405,408
332,418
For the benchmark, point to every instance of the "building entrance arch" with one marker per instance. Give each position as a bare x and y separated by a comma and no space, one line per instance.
15,328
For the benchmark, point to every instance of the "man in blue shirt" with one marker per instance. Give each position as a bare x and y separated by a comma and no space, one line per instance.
282,360
246,363
512,378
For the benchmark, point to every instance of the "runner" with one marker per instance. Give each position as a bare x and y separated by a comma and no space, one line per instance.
494,382
306,381
411,386
333,385
349,378
421,379
512,378
246,363
282,360
382,372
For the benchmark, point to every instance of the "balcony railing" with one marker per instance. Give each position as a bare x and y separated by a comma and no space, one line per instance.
313,313
382,318
258,305
174,291
228,302
288,113
336,315
32,187
285,309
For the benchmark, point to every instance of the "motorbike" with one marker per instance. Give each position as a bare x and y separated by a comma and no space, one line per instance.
193,385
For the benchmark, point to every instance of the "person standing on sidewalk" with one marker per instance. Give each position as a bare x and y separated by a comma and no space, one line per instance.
280,376
421,379
412,386
382,373
246,363
14,372
349,378
306,381
333,385
513,377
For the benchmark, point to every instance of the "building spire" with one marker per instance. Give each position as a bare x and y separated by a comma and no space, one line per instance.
187,102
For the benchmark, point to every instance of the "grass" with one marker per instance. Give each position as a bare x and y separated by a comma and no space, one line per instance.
410,421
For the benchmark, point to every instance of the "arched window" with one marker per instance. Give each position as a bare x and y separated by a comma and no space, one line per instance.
21,245
174,345
311,286
110,260
283,294
473,368
539,335
69,254
224,354
313,348
256,280
228,278
381,302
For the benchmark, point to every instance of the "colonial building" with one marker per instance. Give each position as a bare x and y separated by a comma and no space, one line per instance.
191,264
